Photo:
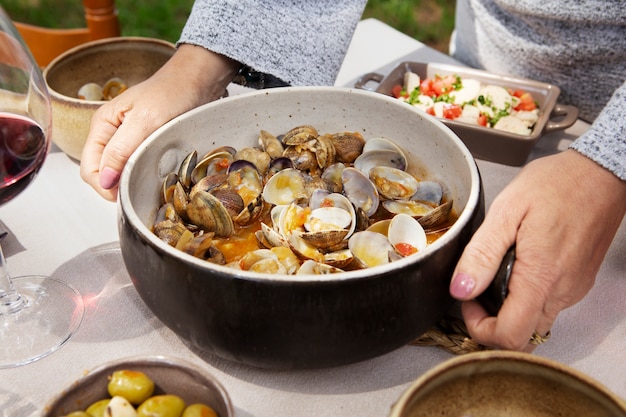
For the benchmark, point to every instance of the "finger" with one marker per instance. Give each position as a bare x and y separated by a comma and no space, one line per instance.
103,126
526,310
136,126
483,254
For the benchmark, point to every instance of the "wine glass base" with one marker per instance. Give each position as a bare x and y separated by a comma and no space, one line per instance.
52,313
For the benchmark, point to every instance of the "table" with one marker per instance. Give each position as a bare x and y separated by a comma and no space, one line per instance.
62,228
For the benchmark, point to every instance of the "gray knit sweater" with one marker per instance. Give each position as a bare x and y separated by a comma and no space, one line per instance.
579,46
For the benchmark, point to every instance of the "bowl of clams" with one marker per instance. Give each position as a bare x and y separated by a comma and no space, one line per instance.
81,79
298,227
143,386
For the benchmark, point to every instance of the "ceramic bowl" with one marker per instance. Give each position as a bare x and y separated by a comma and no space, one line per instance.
499,383
170,375
132,59
304,321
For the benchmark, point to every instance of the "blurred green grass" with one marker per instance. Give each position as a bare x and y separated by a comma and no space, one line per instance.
429,21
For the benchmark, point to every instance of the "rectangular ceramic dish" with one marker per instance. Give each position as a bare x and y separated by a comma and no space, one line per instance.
484,142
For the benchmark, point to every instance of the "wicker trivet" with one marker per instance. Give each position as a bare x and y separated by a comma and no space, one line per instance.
449,334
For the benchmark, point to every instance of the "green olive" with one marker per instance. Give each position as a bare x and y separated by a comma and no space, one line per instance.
199,410
167,405
78,414
98,408
135,386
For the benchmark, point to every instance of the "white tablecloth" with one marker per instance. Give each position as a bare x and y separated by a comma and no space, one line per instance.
60,227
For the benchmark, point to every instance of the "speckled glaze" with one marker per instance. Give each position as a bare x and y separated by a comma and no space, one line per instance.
170,376
133,59
498,383
287,321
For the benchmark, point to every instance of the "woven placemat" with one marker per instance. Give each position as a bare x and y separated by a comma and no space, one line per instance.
451,335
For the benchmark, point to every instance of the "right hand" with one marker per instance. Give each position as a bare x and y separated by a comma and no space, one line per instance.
192,77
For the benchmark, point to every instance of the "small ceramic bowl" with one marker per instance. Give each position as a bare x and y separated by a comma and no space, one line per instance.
170,376
500,383
132,59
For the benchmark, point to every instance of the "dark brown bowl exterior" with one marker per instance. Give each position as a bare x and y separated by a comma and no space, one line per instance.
170,376
487,143
291,322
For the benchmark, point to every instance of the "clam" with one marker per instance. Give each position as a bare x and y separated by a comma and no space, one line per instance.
360,191
186,168
299,135
409,207
302,157
348,146
270,144
207,212
169,231
370,249
113,88
284,187
277,165
380,144
430,192
389,158
325,151
256,156
90,91
211,164
244,178
406,235
437,216
393,183
167,189
302,248
310,267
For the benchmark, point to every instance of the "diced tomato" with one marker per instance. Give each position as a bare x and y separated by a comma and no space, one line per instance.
396,91
406,249
443,85
526,103
482,120
426,87
431,111
452,111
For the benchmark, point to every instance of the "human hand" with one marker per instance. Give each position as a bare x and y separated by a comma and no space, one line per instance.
562,213
192,77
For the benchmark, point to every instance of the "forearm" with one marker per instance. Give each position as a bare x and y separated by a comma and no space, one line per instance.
605,141
297,41
202,71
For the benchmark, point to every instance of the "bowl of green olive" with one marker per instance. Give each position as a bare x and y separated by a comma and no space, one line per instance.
141,387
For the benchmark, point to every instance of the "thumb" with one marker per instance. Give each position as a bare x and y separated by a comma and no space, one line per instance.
483,255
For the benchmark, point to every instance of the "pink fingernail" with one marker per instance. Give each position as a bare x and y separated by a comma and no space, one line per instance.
108,178
461,286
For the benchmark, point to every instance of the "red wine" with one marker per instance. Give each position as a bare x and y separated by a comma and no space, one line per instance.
23,148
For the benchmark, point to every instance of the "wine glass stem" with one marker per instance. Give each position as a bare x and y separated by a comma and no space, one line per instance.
10,300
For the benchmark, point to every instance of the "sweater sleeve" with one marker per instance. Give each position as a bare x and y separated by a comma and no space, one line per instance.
605,141
300,42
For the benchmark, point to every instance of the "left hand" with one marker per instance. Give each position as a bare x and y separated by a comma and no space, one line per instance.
562,212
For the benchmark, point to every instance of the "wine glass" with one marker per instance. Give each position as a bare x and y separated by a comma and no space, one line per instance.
38,314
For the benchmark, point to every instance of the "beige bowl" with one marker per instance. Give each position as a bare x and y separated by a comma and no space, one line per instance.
512,384
170,376
133,59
